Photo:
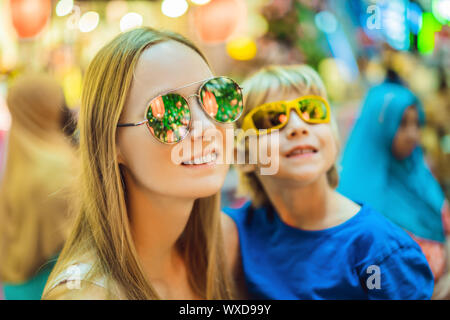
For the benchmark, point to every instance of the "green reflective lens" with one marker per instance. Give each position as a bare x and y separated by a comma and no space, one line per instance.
169,117
312,109
222,99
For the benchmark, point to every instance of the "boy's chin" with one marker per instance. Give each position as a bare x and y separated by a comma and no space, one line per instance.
302,178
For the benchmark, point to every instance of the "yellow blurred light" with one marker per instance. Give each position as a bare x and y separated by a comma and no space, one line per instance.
174,8
242,48
72,86
64,7
88,21
130,20
334,73
200,2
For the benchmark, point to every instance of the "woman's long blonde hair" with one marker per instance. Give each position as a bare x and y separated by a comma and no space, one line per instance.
39,169
102,223
300,79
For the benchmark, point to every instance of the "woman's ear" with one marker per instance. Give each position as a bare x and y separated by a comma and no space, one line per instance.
119,156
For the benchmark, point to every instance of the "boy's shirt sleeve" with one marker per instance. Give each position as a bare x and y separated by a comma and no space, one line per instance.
404,274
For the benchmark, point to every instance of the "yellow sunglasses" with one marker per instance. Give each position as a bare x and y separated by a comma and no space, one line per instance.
275,115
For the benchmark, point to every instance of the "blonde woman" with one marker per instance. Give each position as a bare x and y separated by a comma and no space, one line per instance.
299,238
149,227
34,216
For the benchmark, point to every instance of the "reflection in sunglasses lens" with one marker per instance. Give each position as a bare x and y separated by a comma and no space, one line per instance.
313,109
269,117
169,117
222,99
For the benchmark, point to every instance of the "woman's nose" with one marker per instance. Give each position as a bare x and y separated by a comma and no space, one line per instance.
296,126
200,121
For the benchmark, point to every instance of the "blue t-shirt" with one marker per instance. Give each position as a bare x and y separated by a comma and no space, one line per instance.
365,257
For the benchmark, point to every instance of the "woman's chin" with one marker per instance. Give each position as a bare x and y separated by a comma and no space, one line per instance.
202,188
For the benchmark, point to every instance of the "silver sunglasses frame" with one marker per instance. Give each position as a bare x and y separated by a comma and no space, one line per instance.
139,123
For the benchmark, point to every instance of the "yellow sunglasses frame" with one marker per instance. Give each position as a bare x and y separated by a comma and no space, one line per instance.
292,104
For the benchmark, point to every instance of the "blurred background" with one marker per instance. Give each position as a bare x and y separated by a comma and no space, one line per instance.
353,44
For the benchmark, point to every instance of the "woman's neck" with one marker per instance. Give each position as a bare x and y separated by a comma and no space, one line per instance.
157,222
315,206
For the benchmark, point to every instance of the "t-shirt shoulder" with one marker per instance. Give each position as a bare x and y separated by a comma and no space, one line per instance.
380,236
238,214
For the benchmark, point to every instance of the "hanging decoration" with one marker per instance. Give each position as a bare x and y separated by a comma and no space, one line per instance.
29,17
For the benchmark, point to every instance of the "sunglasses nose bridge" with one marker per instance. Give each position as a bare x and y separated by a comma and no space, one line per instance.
200,121
194,95
295,118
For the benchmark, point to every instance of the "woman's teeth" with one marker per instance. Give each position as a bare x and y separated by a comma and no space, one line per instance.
202,160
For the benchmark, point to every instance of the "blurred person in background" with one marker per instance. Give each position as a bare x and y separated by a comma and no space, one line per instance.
34,206
436,133
384,166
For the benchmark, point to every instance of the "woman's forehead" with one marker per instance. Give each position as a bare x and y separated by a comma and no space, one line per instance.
168,65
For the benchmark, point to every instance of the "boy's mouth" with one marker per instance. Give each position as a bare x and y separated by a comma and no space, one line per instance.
301,150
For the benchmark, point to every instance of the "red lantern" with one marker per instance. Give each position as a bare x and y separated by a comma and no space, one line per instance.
218,19
29,17
157,106
210,103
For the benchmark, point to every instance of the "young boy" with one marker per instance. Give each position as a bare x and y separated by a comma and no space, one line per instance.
298,237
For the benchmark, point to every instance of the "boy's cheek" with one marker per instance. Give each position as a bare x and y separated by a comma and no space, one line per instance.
269,154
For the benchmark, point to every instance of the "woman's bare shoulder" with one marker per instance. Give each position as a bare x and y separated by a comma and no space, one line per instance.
231,238
83,290
231,244
232,252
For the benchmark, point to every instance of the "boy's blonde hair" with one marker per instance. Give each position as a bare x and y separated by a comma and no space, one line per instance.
301,79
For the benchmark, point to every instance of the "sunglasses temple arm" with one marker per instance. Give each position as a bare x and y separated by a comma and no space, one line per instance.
132,124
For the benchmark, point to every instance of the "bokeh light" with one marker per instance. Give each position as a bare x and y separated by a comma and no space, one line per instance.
29,17
174,8
216,21
441,10
64,7
88,21
242,48
130,20
326,22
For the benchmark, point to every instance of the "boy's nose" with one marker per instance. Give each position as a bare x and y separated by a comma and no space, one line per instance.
296,126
